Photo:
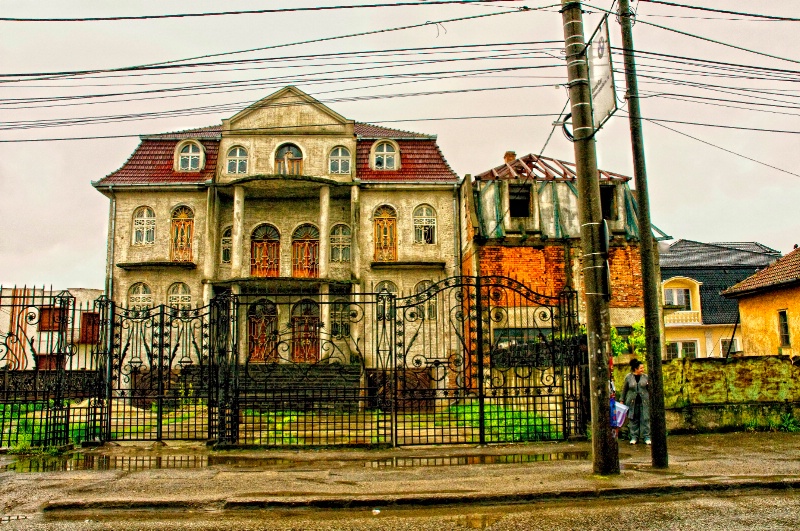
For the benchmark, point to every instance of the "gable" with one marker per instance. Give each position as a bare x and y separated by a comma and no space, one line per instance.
287,112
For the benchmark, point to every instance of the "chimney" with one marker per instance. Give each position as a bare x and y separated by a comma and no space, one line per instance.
509,157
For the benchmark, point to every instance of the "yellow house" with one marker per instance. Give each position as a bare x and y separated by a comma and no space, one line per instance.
769,305
698,321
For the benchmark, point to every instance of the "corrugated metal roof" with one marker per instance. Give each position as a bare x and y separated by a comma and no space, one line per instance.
537,168
420,161
783,271
153,163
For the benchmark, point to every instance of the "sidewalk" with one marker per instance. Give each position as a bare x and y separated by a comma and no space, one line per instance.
188,475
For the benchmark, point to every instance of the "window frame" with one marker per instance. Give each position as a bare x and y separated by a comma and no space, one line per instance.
424,233
180,155
341,244
237,160
670,294
179,296
140,297
680,347
144,226
518,194
89,333
181,234
226,244
377,154
385,233
282,166
339,159
428,308
305,251
784,337
723,349
268,262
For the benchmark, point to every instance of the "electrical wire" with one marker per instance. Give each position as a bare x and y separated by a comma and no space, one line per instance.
724,11
252,12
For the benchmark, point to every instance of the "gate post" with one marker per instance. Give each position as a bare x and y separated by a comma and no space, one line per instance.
106,308
479,350
160,375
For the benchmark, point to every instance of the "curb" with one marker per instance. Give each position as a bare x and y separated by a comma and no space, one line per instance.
319,502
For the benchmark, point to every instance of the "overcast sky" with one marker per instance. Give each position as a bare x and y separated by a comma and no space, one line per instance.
53,224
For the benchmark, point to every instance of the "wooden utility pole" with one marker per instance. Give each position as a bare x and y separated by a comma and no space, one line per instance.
652,320
604,444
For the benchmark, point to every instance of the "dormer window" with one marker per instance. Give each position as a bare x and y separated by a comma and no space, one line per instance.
680,297
190,157
384,156
289,160
237,160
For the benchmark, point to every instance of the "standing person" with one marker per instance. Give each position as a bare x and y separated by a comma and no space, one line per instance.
636,395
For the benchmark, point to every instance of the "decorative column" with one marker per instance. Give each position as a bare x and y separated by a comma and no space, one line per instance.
355,220
324,230
237,244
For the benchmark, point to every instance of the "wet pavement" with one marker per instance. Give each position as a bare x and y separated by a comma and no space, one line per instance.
188,478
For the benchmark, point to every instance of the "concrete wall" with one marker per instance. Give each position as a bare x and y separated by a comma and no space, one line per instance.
717,394
759,318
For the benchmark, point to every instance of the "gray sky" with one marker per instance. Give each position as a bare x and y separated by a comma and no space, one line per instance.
53,224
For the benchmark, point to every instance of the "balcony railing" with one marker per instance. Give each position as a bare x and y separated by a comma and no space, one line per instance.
684,317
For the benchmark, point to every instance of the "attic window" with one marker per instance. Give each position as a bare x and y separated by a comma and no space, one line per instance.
190,157
519,201
607,202
384,156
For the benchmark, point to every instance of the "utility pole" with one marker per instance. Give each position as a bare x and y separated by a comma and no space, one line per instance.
652,321
605,452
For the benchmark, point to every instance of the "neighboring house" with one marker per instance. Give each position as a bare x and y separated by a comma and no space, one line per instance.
286,196
698,321
769,308
522,221
38,323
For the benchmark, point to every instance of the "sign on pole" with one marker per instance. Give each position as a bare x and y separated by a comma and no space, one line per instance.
601,75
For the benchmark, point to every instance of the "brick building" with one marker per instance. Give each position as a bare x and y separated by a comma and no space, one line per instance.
521,220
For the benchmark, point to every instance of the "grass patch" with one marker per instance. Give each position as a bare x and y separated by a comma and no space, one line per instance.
505,424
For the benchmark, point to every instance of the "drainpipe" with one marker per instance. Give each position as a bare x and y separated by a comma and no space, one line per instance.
112,215
457,235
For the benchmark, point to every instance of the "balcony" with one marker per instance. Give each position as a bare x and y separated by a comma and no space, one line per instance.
684,317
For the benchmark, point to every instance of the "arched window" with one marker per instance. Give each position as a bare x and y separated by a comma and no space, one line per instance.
181,234
190,157
387,285
305,331
237,160
226,244
385,156
339,160
385,220
262,331
424,224
144,226
383,310
179,296
305,252
289,160
340,243
265,252
140,297
427,309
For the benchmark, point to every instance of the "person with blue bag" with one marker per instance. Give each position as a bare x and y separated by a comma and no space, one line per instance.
636,395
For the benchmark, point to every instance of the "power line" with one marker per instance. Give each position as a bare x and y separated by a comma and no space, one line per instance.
251,12
720,147
289,127
724,11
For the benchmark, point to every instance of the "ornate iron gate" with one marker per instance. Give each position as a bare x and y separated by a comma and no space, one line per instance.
159,377
485,359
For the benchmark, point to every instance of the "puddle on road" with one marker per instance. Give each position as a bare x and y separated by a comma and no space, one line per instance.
136,463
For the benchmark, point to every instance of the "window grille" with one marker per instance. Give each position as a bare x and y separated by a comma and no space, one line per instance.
179,296
265,252
305,331
262,331
144,226
424,224
305,252
385,220
182,232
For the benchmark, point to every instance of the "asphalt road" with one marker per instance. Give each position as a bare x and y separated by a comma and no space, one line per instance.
743,510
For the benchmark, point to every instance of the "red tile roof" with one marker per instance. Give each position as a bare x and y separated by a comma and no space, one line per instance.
211,132
420,161
364,130
153,163
781,272
543,169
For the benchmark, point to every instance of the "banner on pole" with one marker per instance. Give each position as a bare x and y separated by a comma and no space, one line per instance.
601,75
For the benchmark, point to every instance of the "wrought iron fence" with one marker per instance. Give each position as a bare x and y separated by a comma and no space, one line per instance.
464,360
